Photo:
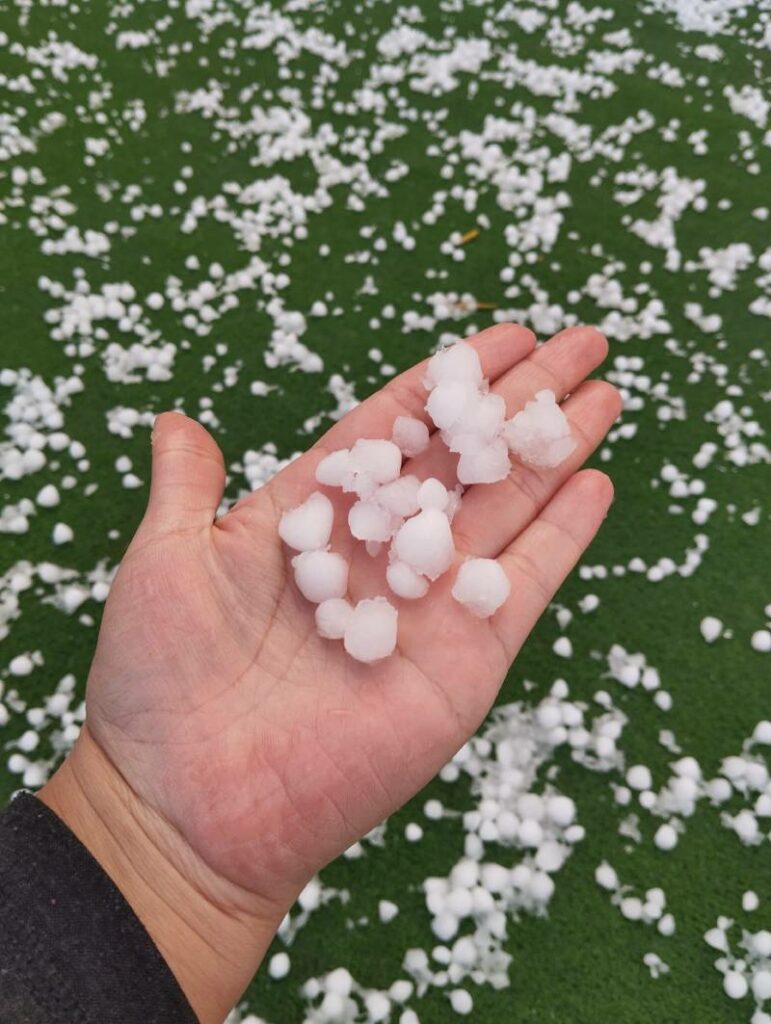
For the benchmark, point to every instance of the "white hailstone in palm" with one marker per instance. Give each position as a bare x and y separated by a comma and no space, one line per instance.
425,543
482,463
461,1002
665,837
540,433
482,422
761,641
332,618
400,496
48,496
405,582
334,468
710,628
735,985
410,435
320,575
371,632
278,965
308,527
370,521
481,586
458,362
448,403
432,494
377,459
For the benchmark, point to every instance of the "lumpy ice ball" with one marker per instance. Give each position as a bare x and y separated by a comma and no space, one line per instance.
540,433
371,632
332,618
448,402
405,582
481,586
371,462
411,435
309,526
369,521
333,469
432,494
378,459
483,420
458,362
400,496
425,543
320,575
484,463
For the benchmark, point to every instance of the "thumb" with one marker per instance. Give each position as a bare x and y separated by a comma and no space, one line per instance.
188,474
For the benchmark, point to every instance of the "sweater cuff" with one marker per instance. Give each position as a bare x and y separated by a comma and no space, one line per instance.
73,951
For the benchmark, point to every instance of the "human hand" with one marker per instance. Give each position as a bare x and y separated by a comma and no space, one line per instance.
247,750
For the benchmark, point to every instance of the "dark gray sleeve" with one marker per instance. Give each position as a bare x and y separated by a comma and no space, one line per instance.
72,951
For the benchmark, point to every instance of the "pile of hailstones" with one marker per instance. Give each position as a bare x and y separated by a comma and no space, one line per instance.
414,516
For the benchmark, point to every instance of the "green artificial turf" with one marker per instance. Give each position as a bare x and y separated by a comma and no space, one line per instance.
582,963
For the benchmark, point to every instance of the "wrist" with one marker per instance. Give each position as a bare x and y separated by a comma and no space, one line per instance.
211,933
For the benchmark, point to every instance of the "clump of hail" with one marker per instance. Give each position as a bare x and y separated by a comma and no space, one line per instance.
383,501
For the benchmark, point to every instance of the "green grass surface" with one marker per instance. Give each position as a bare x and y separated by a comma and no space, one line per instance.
583,962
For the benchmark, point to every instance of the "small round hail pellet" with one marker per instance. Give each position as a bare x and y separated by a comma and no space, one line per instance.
279,965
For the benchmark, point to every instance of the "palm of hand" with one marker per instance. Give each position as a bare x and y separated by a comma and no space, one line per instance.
268,749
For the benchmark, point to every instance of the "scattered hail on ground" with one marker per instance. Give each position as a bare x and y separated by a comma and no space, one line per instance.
259,212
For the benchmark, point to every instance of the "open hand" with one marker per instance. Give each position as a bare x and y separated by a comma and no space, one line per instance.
264,750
